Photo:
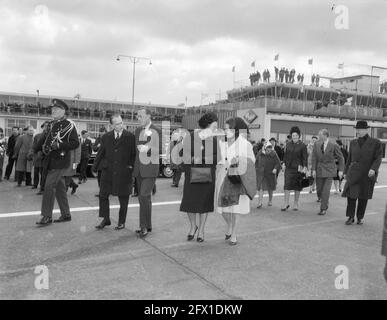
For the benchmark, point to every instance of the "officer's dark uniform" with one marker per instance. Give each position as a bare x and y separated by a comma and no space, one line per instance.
61,138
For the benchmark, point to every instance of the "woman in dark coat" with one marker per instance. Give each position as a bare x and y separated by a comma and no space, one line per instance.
198,198
296,163
267,166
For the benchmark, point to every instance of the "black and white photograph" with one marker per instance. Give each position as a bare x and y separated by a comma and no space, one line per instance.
193,150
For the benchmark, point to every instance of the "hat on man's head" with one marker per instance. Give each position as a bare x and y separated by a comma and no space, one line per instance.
59,104
361,124
83,132
273,139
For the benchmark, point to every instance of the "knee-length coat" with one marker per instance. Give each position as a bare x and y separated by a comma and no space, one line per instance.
360,160
116,161
264,166
23,153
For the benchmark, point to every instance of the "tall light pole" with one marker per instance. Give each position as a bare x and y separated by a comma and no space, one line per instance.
133,60
37,101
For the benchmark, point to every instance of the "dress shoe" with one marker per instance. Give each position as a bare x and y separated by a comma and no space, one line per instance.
143,233
40,193
80,182
269,204
227,237
318,200
350,221
174,185
34,187
120,226
45,221
190,237
259,206
286,208
149,230
63,219
75,187
359,222
200,239
295,207
103,224
322,213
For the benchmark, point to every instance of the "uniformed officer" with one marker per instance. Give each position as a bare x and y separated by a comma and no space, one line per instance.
61,138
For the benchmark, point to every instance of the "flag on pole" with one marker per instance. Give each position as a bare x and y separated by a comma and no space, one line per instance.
310,61
276,57
233,69
340,66
253,64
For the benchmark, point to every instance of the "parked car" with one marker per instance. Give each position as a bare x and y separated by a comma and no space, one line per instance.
165,168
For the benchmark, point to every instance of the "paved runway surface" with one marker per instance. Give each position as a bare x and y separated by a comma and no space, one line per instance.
280,255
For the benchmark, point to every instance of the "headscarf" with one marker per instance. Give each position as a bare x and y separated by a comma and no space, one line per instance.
266,145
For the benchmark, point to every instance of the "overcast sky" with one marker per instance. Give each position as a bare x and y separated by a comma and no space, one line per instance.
68,47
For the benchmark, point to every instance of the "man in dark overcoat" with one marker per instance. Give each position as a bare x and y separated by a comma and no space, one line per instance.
361,171
38,156
115,158
96,147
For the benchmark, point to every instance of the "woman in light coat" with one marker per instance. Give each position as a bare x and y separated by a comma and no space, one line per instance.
235,148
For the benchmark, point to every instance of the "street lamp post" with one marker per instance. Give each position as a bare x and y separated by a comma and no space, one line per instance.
134,60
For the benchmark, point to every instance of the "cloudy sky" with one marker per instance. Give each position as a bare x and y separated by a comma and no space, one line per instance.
68,47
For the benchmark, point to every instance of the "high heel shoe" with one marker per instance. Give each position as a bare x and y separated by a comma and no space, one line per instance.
286,208
227,237
190,237
295,207
233,243
200,239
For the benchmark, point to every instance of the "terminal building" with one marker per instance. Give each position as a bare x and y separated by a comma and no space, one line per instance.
271,109
21,110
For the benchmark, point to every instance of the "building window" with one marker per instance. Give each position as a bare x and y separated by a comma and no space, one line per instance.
93,129
21,123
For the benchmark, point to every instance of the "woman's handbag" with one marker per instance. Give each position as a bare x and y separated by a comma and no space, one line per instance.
201,175
232,174
304,181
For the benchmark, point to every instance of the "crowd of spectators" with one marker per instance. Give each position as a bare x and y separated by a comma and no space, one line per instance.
383,88
281,75
81,113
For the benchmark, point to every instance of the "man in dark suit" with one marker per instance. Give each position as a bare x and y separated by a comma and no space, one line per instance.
10,149
96,147
146,167
361,171
86,150
324,168
115,158
38,156
60,140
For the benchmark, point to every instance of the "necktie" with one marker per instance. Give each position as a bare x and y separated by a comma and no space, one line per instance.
322,148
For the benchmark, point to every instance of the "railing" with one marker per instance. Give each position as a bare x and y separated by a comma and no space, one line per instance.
293,106
83,114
